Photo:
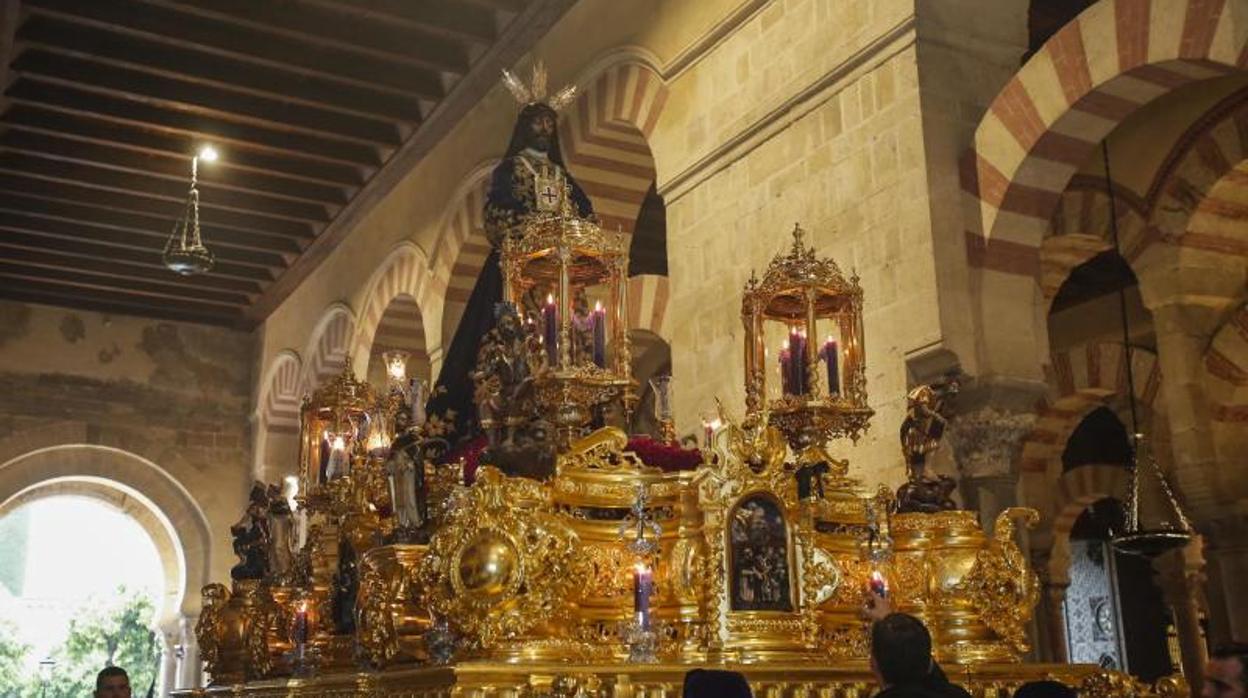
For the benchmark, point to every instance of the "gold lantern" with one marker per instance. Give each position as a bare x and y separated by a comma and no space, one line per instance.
334,430
822,385
585,354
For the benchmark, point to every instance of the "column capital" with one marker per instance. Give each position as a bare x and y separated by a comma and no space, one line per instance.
1196,281
987,441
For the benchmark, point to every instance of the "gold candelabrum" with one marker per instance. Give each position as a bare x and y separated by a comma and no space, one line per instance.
820,388
758,559
586,362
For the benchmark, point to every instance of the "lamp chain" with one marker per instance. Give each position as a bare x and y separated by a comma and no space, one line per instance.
1122,296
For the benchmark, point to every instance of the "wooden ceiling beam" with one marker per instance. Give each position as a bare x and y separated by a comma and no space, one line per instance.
169,167
56,260
209,69
514,7
210,197
463,22
516,39
115,304
203,100
26,273
172,27
141,138
311,27
90,221
169,211
118,109
145,255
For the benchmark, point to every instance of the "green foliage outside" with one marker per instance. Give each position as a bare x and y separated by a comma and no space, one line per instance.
113,632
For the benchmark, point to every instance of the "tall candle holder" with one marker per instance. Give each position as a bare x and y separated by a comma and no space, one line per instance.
641,531
662,387
823,382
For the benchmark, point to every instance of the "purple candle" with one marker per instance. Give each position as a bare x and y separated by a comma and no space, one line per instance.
828,354
600,335
786,375
643,587
798,342
550,331
300,634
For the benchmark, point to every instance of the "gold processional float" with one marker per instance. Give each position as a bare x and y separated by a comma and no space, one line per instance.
579,562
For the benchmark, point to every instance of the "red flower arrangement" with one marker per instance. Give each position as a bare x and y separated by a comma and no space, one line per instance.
667,457
470,451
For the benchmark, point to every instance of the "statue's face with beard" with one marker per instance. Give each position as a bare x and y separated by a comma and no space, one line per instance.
541,131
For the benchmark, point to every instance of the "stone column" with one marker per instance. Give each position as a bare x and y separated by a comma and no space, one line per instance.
170,638
190,669
986,443
168,665
1050,618
1181,578
1226,556
1183,330
1189,293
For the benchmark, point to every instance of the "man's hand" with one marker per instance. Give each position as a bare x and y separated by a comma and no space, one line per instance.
877,606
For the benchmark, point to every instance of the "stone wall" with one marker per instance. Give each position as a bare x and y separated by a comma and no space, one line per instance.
787,122
176,395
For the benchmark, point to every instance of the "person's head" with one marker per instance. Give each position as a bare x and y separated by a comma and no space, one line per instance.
112,682
537,128
1225,673
901,650
1045,689
708,683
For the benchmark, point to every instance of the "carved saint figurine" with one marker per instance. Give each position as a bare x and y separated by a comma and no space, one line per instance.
504,384
251,537
921,432
281,556
405,471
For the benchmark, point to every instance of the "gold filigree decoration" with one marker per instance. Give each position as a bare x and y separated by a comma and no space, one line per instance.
503,562
1001,585
209,627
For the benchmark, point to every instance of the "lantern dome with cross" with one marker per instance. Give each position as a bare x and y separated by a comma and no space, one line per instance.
585,351
820,389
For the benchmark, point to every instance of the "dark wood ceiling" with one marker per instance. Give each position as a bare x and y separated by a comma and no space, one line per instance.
317,107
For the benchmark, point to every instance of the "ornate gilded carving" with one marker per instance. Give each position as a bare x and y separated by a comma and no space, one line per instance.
1001,585
503,563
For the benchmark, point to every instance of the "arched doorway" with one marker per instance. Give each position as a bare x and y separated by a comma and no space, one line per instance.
85,585
401,328
157,503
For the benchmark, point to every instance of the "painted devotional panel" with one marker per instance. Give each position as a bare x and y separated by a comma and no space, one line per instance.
759,556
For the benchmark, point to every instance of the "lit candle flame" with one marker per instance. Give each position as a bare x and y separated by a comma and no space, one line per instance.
597,306
550,299
339,444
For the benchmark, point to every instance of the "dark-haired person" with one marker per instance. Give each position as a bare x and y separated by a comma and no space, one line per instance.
1045,689
901,655
1224,674
112,682
709,683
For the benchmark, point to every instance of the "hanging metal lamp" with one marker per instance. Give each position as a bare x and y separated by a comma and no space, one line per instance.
1171,528
185,252
1158,536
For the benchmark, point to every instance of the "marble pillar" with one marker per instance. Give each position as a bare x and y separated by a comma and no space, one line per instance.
1226,557
1180,574
190,669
